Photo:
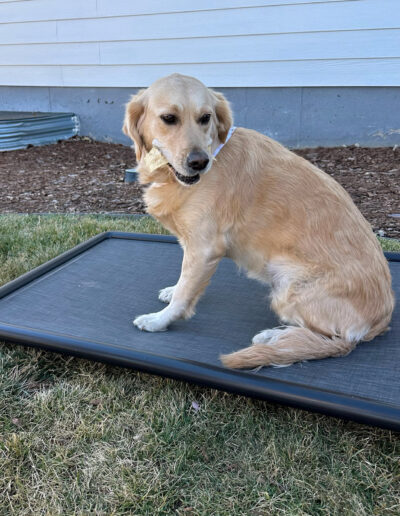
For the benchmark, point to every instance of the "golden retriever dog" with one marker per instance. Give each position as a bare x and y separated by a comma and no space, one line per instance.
276,215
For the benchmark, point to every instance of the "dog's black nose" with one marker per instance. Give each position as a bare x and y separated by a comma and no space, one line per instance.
197,160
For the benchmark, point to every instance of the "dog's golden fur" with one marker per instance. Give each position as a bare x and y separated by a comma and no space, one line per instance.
275,214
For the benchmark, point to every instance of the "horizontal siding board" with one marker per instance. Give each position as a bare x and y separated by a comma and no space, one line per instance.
282,19
347,72
41,10
246,21
50,54
31,75
350,72
28,32
127,7
328,45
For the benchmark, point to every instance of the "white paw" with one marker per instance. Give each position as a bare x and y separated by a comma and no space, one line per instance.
151,322
165,295
262,337
268,336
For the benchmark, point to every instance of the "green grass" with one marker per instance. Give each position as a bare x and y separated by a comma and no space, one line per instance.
390,244
81,438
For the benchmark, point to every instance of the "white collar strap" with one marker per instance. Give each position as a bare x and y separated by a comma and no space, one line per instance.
230,132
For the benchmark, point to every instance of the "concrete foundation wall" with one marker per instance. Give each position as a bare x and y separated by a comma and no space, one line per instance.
297,117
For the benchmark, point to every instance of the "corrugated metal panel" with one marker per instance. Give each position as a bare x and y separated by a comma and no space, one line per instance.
20,129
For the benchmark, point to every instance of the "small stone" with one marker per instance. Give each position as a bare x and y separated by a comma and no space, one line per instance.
195,406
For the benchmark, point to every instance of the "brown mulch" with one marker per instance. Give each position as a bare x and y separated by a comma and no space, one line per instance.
73,176
84,176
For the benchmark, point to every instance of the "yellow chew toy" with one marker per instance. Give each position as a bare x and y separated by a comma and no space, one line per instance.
154,160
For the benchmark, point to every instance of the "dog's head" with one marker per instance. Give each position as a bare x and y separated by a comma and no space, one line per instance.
184,119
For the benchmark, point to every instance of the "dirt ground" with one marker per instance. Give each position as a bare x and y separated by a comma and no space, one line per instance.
84,176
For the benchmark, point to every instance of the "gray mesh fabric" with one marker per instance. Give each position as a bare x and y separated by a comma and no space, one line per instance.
95,296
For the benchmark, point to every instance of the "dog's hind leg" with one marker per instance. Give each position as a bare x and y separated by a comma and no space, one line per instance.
284,346
318,327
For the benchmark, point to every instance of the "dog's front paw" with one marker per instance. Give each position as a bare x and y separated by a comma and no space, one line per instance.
165,295
151,322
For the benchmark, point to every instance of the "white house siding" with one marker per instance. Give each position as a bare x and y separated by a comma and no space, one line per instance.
225,43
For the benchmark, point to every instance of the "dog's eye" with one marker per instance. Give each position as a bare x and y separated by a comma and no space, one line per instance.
169,119
204,119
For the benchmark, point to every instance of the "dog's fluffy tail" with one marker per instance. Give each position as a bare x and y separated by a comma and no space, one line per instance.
286,346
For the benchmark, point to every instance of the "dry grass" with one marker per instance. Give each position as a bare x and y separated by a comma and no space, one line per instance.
80,438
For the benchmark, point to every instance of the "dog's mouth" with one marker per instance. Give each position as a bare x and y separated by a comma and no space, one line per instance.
186,180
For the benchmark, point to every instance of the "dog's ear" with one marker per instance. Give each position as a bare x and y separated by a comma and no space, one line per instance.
224,116
134,112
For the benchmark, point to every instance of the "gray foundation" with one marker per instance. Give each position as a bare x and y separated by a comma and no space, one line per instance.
297,117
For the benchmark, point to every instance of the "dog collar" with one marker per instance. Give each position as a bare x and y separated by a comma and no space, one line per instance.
228,137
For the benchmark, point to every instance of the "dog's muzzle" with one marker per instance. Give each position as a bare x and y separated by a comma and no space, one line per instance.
196,163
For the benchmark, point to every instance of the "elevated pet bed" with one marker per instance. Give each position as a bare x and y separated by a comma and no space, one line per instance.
83,303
